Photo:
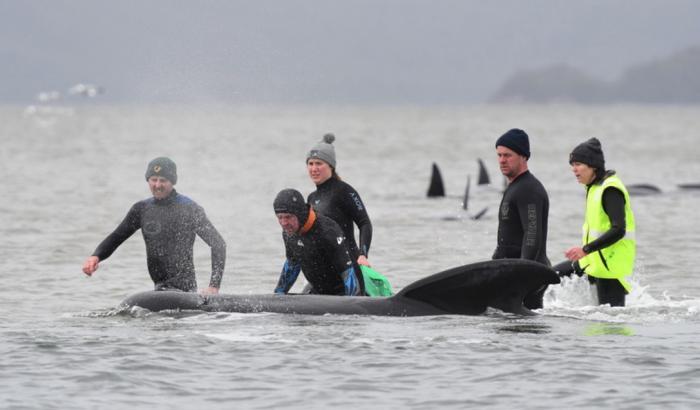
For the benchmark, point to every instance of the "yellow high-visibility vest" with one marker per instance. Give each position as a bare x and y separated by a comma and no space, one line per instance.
617,260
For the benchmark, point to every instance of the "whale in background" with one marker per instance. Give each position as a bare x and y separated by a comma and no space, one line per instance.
483,174
436,187
643,189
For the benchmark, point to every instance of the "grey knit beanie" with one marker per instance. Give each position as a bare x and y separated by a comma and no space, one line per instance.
324,150
162,167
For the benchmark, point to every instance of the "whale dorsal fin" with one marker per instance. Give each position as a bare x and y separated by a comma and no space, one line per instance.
470,289
436,188
483,174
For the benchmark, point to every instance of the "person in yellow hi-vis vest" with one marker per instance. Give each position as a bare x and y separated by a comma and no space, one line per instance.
608,251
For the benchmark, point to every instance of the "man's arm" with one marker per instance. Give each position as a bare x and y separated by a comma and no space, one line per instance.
289,274
338,251
130,224
206,230
531,209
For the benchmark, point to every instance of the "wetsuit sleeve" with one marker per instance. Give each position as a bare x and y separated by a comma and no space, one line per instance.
205,230
614,206
289,274
130,224
531,209
355,208
343,264
350,283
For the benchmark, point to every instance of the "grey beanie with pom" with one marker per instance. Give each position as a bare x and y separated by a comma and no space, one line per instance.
324,150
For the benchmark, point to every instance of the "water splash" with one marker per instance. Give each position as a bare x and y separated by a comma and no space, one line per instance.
576,297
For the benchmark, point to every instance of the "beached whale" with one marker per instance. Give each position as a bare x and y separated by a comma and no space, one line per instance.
464,290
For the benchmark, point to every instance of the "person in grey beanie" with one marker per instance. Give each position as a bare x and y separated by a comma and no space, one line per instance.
608,247
338,200
524,209
169,222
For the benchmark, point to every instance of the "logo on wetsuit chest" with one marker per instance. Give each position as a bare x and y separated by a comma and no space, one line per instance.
300,243
151,228
340,239
504,210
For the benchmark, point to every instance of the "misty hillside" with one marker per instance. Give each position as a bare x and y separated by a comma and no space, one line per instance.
674,80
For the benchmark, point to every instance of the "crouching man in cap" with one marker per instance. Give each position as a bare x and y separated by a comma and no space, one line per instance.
316,245
169,222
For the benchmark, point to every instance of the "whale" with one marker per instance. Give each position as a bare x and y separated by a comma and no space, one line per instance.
437,189
465,290
643,189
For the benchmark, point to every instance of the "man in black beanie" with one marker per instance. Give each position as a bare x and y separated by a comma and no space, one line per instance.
316,245
524,209
169,222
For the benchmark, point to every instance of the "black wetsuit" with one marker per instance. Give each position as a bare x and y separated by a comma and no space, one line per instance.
522,226
169,226
323,255
610,291
340,202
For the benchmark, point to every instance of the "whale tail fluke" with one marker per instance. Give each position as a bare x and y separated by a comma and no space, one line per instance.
479,214
465,202
436,188
470,289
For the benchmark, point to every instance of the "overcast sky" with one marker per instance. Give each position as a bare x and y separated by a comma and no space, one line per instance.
320,51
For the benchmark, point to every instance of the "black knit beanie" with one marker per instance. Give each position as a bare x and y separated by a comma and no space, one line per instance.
517,140
162,167
589,153
290,201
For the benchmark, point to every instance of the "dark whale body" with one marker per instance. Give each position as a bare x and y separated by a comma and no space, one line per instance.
465,290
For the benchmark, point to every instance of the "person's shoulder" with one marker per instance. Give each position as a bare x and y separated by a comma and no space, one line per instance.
185,200
344,185
530,179
143,203
326,224
528,185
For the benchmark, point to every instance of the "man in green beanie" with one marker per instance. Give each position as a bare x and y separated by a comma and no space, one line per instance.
169,222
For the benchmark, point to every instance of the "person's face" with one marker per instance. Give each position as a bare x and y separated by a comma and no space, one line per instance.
288,222
160,187
510,162
584,174
319,170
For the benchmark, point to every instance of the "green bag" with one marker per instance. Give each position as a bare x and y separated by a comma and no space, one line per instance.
376,284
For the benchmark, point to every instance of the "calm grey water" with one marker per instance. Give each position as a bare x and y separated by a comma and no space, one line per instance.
69,175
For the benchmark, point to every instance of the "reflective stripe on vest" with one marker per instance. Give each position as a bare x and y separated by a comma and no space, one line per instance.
617,260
